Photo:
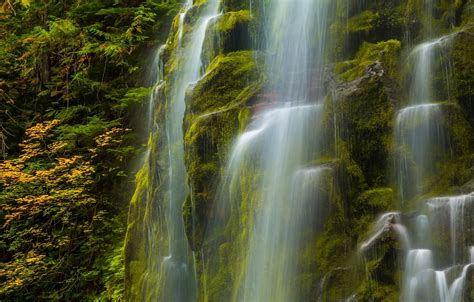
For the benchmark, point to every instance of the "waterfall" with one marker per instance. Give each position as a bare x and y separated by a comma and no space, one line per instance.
419,133
158,73
287,199
290,137
451,211
386,222
178,277
155,97
420,141
157,237
424,280
277,184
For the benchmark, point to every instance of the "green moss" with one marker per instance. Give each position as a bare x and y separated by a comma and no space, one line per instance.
231,19
216,110
385,52
454,168
374,291
135,254
368,205
228,33
462,53
234,5
144,228
367,137
381,281
362,22
230,81
464,12
245,116
371,22
460,131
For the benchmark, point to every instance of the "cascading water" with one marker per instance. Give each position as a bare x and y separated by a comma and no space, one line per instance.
290,198
433,271
424,281
454,212
419,131
150,226
158,72
421,141
419,135
386,222
178,277
283,207
279,177
160,264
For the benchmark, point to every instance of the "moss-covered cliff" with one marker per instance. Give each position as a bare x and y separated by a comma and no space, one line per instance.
368,90
86,88
367,84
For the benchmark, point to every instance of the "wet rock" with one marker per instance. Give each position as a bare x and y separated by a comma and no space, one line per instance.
462,54
217,107
466,188
365,126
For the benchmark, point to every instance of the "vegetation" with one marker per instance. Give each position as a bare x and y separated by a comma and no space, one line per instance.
71,84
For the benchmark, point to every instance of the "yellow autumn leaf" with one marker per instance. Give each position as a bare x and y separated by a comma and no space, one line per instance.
18,282
25,3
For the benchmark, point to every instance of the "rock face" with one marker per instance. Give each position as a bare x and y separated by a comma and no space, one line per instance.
217,107
365,89
463,64
469,285
366,127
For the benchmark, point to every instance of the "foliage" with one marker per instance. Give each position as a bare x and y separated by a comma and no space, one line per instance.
70,87
56,54
53,224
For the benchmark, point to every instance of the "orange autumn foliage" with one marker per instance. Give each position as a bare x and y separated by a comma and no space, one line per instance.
47,192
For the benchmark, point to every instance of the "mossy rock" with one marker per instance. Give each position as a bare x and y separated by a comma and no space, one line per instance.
368,206
469,285
338,285
381,280
462,54
233,28
227,33
385,52
464,12
234,5
455,168
383,19
344,270
365,109
230,81
215,110
141,270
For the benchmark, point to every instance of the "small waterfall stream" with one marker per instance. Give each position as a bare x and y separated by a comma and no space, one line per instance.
419,133
431,265
177,277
